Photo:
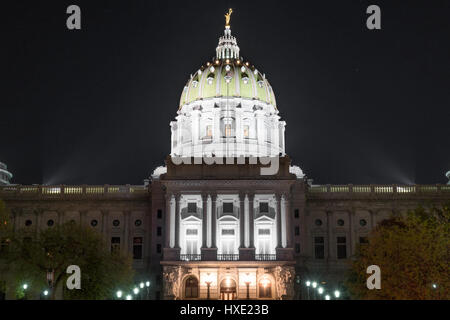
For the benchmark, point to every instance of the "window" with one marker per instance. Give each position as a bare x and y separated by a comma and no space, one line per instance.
318,222
340,222
296,213
363,240
115,244
191,288
191,232
228,130
159,214
264,207
192,207
158,248
319,247
297,248
341,248
246,131
138,223
137,248
228,232
94,223
362,222
265,288
116,223
228,207
28,223
265,232
50,223
297,230
158,231
209,131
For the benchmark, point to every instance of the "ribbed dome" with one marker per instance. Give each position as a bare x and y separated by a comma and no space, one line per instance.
228,75
228,78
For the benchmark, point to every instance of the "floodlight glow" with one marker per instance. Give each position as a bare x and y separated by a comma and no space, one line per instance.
327,297
308,283
141,285
129,297
337,293
314,284
135,290
46,293
320,290
25,286
147,284
119,294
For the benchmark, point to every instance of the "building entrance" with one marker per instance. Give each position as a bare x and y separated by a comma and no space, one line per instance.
228,289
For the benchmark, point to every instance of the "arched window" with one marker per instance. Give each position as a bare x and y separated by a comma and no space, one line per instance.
191,287
265,288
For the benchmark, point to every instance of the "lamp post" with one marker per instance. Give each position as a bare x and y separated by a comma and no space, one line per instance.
208,281
141,286
25,287
136,291
119,294
129,297
147,286
337,294
327,297
314,285
308,284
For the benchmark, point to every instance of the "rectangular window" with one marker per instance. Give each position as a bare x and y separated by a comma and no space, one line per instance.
191,246
158,248
264,232
158,231
228,130
246,131
296,213
115,244
192,207
363,240
228,232
159,214
297,248
137,248
341,248
191,232
264,207
297,230
209,131
319,247
228,207
228,245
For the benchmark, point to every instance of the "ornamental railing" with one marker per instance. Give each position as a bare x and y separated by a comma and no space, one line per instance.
228,257
379,189
191,257
74,191
265,257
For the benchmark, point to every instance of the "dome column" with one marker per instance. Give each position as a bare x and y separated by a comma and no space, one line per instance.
260,131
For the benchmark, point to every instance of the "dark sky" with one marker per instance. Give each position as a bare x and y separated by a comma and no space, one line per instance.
93,106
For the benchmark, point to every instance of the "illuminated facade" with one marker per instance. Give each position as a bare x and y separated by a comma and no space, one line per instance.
200,229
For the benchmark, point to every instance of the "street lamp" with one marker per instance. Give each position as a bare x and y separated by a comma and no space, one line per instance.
308,284
119,294
337,294
25,286
327,297
147,286
208,281
129,297
314,285
247,281
320,290
141,285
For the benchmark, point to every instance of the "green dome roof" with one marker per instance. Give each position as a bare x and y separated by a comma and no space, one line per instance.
227,78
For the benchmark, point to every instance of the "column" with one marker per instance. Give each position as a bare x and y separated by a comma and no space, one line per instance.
127,240
289,222
247,224
283,222
241,220
204,220
213,221
167,221
260,131
351,237
329,237
278,220
251,214
209,222
177,221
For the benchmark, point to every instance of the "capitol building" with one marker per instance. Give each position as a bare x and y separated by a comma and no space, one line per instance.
228,216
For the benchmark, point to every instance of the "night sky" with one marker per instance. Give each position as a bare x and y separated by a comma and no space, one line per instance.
93,106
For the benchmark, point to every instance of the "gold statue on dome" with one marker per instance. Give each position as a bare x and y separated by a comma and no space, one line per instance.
228,17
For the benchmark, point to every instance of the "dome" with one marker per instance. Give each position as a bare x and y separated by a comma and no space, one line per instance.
228,75
228,78
227,109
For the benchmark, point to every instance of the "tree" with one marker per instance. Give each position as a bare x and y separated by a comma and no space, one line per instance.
413,253
56,248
